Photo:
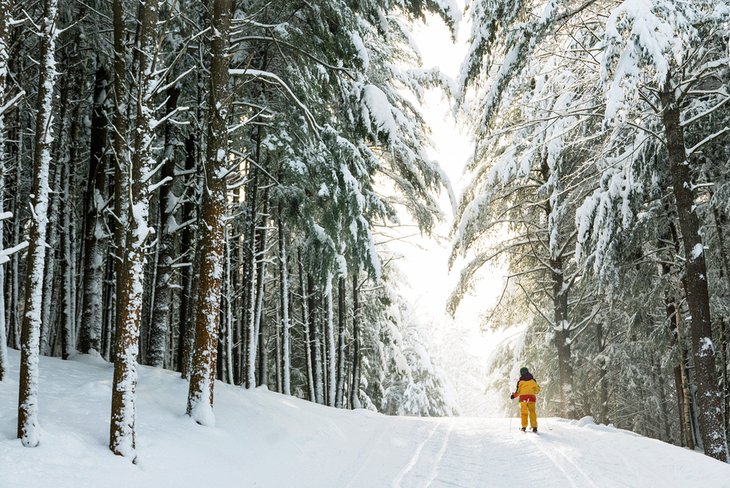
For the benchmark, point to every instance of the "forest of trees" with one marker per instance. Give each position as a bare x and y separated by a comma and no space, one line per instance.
600,179
198,185
194,185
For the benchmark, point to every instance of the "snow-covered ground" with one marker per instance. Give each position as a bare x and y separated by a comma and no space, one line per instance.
267,440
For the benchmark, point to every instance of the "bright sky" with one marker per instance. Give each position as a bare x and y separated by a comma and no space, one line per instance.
461,349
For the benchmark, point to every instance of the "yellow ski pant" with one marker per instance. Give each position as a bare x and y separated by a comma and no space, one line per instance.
528,409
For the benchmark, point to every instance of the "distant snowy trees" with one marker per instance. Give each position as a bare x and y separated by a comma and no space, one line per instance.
203,180
601,146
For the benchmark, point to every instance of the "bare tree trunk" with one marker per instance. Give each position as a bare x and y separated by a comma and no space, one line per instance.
202,379
341,311
331,345
562,342
5,9
316,341
259,345
698,299
355,390
187,248
602,380
122,431
307,333
165,247
284,298
69,271
28,428
95,238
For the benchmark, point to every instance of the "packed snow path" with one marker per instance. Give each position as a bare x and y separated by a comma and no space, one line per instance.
263,439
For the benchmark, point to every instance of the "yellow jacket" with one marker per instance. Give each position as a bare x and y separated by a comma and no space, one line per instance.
527,388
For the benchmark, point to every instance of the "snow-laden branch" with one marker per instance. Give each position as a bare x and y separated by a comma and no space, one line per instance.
5,253
255,73
10,103
707,139
707,112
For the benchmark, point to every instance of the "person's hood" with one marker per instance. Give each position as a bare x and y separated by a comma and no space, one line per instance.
527,377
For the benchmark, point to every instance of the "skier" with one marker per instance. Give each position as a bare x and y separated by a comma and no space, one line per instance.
526,390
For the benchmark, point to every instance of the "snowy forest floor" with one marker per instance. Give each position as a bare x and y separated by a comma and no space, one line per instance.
265,439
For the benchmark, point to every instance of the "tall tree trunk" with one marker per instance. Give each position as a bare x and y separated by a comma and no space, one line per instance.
187,248
331,345
69,271
284,298
28,428
249,286
355,390
95,228
709,394
259,345
602,379
121,157
202,379
562,340
5,9
165,247
342,321
316,341
122,431
304,291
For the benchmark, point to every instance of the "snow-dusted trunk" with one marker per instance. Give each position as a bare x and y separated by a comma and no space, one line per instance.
562,339
316,341
165,246
187,247
69,272
121,156
249,276
52,239
122,434
28,428
4,12
602,378
709,395
341,319
259,325
331,345
307,333
284,299
229,310
95,239
212,213
355,389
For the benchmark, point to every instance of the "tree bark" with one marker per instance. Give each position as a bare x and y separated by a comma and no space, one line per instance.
284,299
165,248
342,321
4,12
95,239
709,394
187,248
304,293
28,428
562,339
122,431
202,379
355,390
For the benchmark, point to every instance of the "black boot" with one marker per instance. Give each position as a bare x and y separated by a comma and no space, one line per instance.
524,429
534,429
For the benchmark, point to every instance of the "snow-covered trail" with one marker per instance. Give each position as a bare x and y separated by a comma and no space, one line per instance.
263,439
481,452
